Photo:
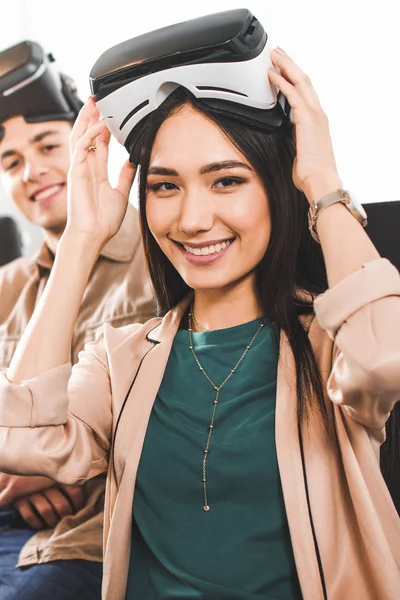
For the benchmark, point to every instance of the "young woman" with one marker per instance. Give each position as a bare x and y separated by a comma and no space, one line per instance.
241,430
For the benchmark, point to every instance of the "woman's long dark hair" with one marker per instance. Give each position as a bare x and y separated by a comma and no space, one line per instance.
293,262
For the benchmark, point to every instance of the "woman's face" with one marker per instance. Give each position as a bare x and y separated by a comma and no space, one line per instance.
205,205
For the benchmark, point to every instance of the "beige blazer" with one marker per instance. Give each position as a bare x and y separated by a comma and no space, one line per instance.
344,528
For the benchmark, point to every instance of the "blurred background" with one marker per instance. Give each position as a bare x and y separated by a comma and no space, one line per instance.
350,49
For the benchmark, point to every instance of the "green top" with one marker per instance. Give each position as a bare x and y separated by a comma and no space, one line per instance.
241,548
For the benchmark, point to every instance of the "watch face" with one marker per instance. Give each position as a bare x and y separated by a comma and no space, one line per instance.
357,204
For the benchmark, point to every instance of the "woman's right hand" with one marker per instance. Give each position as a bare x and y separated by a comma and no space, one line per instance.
95,209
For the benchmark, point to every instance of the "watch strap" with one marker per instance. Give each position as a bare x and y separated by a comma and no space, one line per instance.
337,196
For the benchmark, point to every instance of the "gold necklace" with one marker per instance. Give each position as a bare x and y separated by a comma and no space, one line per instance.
217,388
195,321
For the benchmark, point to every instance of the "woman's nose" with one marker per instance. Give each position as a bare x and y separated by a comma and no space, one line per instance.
197,213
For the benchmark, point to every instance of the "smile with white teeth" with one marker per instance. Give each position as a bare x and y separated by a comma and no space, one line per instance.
206,250
47,192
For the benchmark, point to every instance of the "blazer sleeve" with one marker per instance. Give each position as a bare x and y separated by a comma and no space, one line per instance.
59,423
362,315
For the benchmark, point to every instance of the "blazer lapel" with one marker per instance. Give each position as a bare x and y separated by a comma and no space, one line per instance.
147,377
291,472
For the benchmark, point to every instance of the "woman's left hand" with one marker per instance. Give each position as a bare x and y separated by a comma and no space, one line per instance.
314,169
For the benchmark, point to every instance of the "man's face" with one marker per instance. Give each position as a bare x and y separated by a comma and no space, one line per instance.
34,162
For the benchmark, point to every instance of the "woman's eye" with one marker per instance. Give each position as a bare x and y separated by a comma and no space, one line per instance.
163,186
227,182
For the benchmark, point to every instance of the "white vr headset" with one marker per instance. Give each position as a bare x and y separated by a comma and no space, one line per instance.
221,58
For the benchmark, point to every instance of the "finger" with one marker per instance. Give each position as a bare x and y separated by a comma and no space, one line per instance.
27,513
287,89
104,138
102,152
292,73
75,495
86,142
44,509
88,115
14,487
125,179
60,504
287,66
5,497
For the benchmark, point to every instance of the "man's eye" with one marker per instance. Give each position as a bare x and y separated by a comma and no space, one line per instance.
226,182
163,186
13,165
49,147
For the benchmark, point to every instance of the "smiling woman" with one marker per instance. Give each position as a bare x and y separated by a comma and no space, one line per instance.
218,231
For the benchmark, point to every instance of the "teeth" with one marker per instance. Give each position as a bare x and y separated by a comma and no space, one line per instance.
47,192
206,250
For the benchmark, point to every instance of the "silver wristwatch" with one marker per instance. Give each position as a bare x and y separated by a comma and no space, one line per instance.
353,205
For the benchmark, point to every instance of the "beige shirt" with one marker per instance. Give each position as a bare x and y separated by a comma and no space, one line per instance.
118,293
335,497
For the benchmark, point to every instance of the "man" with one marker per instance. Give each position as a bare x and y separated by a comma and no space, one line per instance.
53,533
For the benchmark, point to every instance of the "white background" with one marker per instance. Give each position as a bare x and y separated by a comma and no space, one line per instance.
350,49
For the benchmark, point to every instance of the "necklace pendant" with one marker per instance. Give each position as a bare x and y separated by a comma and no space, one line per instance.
217,390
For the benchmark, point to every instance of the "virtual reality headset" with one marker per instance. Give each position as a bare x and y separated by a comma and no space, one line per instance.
31,86
222,58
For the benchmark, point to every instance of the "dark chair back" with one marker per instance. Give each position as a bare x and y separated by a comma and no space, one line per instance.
10,240
384,230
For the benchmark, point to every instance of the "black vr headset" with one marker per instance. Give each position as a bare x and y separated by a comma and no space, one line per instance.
31,86
223,59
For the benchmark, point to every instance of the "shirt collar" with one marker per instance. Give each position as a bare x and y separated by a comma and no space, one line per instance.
120,248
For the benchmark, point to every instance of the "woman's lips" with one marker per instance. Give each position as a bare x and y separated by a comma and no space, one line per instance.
205,259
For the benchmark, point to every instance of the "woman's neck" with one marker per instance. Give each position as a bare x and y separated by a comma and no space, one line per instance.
223,308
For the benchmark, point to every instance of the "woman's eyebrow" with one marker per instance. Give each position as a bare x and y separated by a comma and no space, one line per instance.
226,164
211,168
161,171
